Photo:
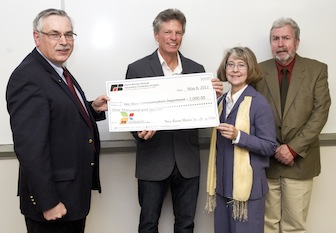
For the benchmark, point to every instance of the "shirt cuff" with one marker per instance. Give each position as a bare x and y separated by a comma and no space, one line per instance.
235,141
292,151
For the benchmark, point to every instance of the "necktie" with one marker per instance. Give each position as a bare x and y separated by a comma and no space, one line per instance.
72,89
283,88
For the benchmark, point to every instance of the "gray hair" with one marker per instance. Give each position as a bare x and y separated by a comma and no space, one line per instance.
167,15
287,21
39,20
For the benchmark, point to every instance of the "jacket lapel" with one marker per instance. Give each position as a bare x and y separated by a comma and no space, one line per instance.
273,85
155,64
249,91
296,80
56,78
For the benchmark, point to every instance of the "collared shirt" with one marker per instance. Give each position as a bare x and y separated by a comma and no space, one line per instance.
166,70
59,71
289,68
230,102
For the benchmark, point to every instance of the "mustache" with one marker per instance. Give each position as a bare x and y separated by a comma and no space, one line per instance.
282,50
66,47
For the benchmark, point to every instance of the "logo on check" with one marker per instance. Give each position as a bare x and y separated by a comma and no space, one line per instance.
117,87
125,117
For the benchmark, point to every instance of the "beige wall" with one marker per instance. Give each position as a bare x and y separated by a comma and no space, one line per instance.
117,210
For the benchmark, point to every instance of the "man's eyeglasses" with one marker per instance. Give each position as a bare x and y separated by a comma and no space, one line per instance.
240,66
70,36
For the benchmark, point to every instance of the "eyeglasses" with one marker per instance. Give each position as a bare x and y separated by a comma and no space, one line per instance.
240,66
70,36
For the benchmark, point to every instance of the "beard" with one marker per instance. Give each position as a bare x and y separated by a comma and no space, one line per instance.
284,58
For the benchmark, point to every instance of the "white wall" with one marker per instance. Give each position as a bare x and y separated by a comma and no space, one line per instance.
112,34
116,209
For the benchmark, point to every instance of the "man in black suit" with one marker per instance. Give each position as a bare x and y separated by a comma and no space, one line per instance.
55,136
167,158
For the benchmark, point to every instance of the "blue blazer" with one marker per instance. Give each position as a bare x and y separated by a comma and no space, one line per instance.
261,143
156,157
56,148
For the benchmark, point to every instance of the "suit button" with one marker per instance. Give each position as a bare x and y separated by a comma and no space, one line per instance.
92,164
34,203
90,140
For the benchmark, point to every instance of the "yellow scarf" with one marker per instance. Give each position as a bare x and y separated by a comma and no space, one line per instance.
242,170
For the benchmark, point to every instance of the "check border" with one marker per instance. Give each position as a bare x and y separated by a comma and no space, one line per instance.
162,103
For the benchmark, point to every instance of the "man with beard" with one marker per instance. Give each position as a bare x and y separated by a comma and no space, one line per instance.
297,89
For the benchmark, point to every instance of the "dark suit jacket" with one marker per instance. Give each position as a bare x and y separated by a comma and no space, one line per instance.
260,142
156,158
305,114
57,150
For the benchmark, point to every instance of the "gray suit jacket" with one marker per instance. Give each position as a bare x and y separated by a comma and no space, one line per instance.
305,114
156,158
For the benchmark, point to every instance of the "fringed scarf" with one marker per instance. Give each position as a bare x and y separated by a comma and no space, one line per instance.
242,170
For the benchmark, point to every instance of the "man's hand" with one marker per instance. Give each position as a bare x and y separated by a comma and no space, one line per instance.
283,155
55,213
145,135
100,103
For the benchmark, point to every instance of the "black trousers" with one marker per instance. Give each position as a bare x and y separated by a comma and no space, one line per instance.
55,226
184,194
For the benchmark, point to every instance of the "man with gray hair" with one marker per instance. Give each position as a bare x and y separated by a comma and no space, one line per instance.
297,89
167,159
55,134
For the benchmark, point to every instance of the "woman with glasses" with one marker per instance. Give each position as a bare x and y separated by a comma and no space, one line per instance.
242,145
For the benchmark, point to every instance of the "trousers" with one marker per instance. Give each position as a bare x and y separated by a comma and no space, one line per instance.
184,198
55,226
287,204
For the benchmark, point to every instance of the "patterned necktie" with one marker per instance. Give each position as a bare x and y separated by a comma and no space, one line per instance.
72,89
283,88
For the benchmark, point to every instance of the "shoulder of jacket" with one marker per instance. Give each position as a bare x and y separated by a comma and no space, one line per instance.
309,61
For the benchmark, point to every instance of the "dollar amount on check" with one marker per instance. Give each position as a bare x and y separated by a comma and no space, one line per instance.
162,103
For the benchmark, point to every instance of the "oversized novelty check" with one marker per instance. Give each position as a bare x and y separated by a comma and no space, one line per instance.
162,103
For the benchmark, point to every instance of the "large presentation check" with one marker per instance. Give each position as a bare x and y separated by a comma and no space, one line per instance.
162,103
